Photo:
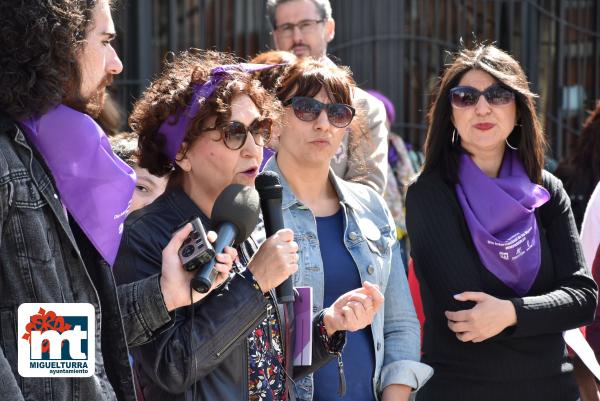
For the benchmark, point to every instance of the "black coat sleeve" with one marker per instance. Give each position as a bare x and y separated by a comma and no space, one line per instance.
572,303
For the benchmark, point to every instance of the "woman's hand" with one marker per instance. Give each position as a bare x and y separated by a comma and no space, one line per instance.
353,310
487,318
175,280
275,260
396,392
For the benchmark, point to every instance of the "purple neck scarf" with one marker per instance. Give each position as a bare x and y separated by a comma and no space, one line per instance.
500,216
94,185
175,126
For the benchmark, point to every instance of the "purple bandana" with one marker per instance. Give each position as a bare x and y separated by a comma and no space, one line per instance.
500,216
175,126
94,185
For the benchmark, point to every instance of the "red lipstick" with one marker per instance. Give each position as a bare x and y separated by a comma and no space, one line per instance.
484,126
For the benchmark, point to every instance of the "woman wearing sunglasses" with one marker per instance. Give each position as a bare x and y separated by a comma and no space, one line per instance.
494,243
206,120
346,237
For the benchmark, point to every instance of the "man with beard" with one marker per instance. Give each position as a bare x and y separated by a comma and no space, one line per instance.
305,27
63,199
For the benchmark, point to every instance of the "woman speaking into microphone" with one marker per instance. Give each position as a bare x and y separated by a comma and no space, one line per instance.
205,120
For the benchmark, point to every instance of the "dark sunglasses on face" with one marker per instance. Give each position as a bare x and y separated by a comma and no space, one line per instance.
309,109
467,96
234,133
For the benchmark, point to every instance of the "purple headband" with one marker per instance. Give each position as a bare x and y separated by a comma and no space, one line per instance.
175,126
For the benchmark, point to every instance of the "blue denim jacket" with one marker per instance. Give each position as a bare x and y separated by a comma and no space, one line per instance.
370,238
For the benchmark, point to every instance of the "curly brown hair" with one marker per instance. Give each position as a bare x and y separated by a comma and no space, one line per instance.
124,145
172,92
271,78
39,44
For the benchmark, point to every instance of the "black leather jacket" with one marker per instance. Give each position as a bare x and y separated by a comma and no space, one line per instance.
203,353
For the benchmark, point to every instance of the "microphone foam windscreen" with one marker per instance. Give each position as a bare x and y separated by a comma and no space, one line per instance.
268,185
240,205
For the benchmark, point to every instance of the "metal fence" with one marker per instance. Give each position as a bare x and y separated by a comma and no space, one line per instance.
396,46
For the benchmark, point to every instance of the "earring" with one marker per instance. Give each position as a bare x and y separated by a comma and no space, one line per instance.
455,138
506,140
509,145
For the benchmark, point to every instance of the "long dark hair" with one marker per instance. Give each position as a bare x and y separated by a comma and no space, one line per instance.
39,44
441,153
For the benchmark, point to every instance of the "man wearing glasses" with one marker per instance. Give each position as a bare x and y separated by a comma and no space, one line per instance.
305,27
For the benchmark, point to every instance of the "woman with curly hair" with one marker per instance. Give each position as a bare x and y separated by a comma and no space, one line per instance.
206,120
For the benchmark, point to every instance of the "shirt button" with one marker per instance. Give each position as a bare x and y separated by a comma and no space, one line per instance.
378,345
353,236
370,269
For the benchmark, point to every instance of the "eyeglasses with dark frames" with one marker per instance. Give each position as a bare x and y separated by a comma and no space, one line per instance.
305,26
234,133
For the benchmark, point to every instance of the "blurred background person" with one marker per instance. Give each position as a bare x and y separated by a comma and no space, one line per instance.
346,237
580,172
269,79
400,173
494,242
590,241
590,228
305,27
148,187
110,117
229,346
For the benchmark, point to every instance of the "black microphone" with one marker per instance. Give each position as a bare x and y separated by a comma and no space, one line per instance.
269,188
235,214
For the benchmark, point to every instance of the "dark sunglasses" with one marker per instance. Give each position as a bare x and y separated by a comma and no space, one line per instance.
234,133
309,109
467,96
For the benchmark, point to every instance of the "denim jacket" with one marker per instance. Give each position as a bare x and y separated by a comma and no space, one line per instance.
42,259
370,238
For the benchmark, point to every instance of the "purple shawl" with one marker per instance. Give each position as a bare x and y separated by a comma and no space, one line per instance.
94,185
500,216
